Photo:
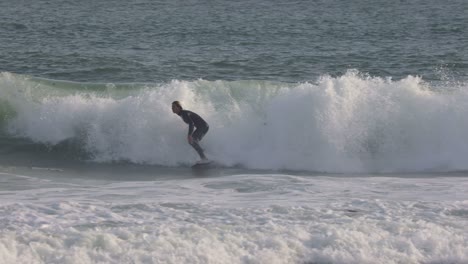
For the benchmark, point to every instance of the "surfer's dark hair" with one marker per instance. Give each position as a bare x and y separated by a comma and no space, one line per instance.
177,103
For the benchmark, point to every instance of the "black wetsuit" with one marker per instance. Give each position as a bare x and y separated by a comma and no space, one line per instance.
195,121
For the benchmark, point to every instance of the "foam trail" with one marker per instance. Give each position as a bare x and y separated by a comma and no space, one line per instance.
351,123
250,218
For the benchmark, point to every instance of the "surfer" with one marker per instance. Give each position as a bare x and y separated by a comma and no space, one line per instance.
193,120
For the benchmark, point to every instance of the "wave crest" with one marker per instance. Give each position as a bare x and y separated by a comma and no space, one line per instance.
351,123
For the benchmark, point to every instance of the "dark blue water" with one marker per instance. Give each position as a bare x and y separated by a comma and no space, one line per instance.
292,41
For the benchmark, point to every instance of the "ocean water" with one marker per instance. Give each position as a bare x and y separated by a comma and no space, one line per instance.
338,129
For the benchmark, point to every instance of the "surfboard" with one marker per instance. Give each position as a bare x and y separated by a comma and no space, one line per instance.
205,165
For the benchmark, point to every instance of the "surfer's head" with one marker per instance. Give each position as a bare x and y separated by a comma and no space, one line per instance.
176,107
